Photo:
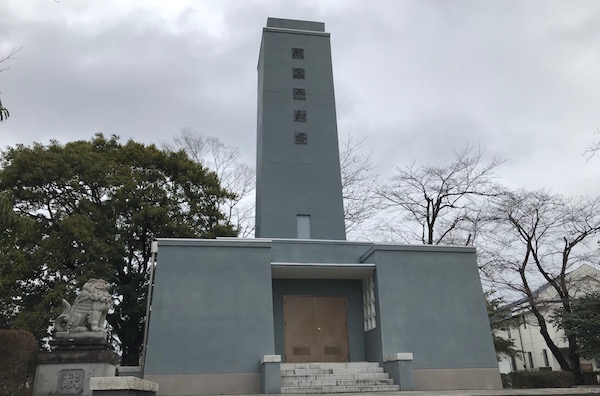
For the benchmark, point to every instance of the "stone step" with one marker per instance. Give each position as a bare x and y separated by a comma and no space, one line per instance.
365,382
327,365
347,377
307,371
374,369
340,370
341,389
313,377
307,383
331,382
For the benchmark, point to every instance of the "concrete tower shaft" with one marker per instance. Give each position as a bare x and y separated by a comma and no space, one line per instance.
298,186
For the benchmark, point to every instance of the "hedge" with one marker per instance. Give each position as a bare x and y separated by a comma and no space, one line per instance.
17,362
590,377
538,379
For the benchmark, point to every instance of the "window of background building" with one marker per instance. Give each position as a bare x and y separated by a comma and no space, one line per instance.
530,357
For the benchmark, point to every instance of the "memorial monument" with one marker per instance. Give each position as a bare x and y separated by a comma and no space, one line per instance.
87,316
79,348
233,316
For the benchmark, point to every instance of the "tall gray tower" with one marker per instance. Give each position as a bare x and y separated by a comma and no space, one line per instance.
298,184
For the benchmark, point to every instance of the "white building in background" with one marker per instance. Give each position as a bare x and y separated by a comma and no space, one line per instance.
535,354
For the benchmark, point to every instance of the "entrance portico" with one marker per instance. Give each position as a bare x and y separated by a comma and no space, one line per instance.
318,311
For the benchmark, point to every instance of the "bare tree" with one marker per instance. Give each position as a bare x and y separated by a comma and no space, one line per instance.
9,56
234,175
359,183
358,175
4,113
440,204
539,238
594,148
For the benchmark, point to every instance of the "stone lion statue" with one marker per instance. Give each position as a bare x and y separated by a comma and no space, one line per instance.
88,312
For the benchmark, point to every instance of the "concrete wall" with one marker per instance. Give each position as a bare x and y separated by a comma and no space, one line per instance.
297,179
212,312
314,251
349,288
373,345
431,304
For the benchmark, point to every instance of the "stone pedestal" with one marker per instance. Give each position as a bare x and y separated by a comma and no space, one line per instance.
399,367
67,369
122,386
270,373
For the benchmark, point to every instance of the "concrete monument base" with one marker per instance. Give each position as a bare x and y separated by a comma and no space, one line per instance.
453,379
67,369
207,384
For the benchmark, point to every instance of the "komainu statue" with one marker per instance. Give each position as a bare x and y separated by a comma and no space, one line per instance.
87,315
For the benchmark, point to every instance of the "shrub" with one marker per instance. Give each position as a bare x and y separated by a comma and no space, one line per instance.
539,379
17,362
506,383
590,378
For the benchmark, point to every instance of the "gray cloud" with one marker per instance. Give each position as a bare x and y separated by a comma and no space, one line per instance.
419,78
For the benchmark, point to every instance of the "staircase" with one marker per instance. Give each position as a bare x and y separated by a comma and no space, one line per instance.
335,378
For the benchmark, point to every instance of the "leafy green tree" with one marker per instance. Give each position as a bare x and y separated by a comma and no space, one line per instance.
92,209
16,243
583,323
501,320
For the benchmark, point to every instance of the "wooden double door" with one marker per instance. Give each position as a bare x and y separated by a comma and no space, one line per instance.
315,329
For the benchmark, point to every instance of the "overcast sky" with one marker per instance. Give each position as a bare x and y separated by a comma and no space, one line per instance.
520,79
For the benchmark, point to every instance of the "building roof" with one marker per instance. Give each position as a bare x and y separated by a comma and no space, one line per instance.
579,279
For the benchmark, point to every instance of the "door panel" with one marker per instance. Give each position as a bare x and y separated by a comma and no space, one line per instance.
315,329
299,337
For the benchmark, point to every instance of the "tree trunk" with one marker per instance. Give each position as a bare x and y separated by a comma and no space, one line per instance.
131,353
564,365
574,358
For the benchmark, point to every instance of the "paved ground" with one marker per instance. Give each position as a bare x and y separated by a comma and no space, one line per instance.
504,392
508,392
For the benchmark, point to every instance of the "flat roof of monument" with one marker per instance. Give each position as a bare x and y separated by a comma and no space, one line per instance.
220,242
314,258
417,248
295,24
264,242
292,26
